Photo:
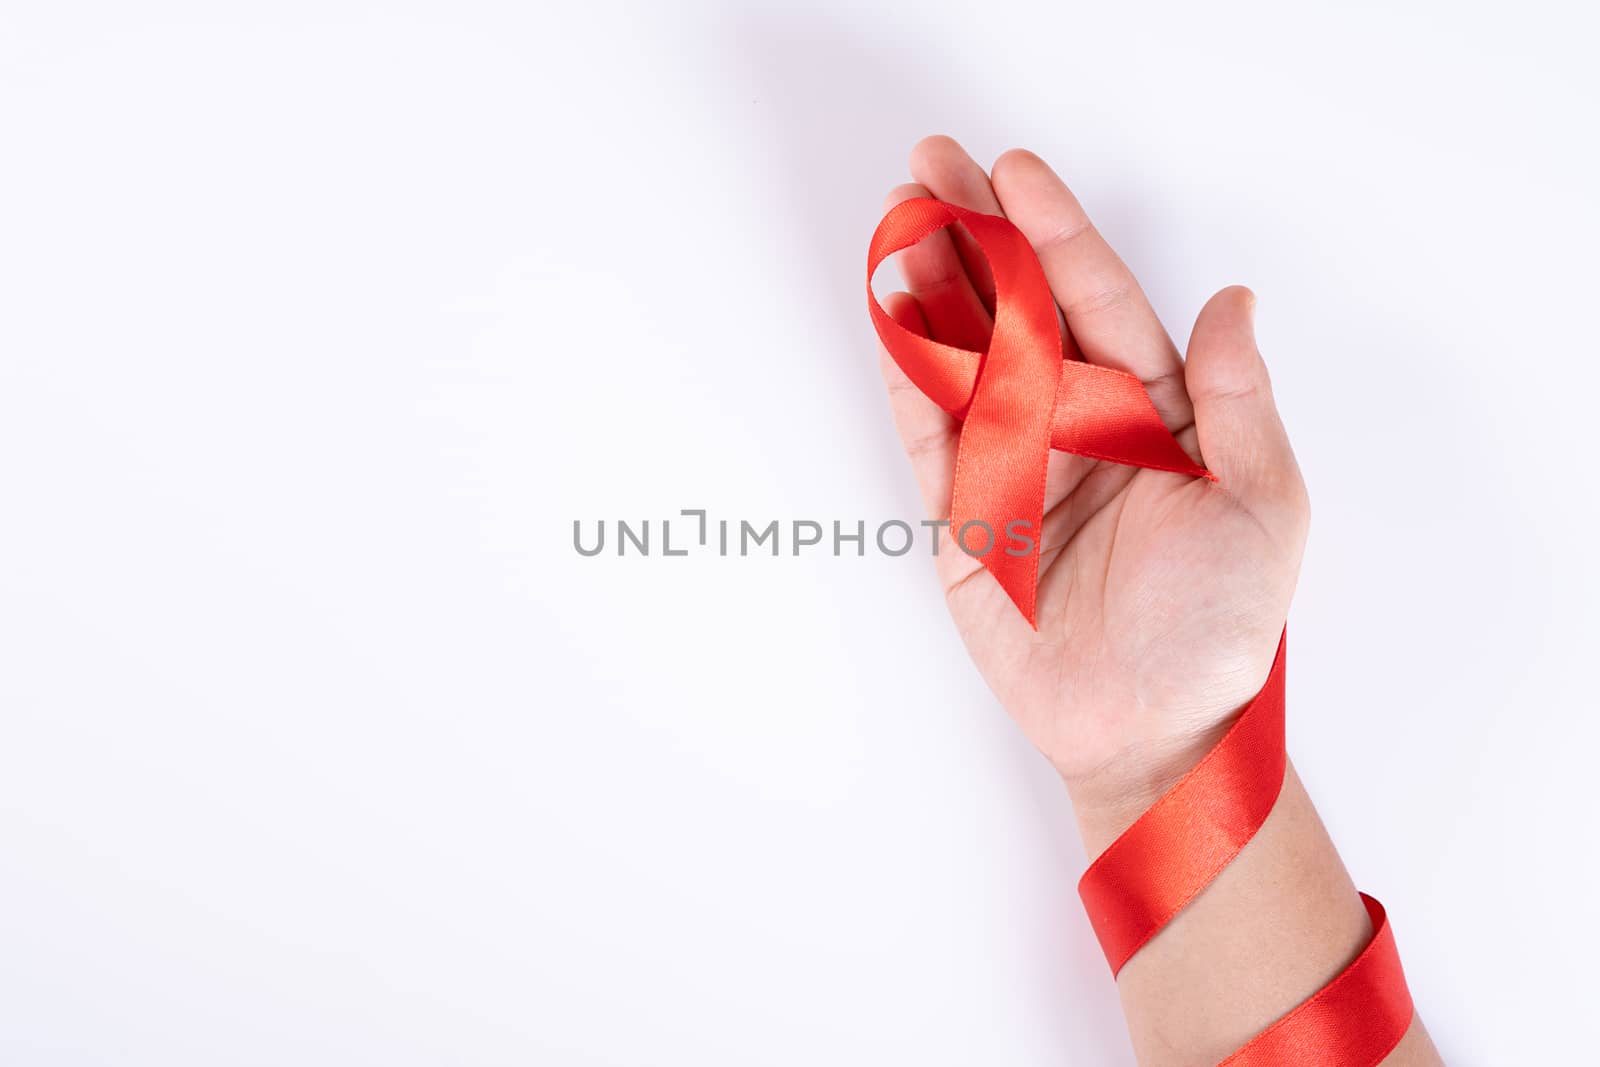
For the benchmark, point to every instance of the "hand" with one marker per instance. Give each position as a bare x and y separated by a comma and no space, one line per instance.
1161,597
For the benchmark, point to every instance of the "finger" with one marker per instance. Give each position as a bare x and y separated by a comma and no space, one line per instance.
1240,434
946,170
1105,309
928,432
938,280
949,173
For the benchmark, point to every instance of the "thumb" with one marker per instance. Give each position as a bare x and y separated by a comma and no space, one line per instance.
1242,440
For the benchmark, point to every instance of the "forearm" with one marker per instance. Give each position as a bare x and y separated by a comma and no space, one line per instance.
1277,924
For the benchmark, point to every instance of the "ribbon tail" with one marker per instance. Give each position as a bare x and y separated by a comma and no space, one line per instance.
1105,413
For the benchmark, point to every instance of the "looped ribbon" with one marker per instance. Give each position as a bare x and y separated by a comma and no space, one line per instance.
1017,400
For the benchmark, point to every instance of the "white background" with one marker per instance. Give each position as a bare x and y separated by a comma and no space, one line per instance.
321,323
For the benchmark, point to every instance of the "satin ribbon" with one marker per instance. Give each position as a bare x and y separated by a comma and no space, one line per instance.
1184,840
1017,400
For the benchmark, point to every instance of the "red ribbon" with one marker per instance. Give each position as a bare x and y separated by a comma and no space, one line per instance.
1018,400
1185,839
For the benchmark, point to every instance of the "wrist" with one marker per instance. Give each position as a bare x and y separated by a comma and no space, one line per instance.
1110,798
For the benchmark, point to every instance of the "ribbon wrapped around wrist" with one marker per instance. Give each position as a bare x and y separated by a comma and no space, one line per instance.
1184,840
1017,400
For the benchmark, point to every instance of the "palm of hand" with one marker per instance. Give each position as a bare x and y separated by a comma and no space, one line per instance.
1161,596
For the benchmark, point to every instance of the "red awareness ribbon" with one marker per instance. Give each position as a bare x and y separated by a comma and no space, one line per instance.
1017,400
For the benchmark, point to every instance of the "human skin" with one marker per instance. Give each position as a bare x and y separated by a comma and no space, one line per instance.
1161,600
